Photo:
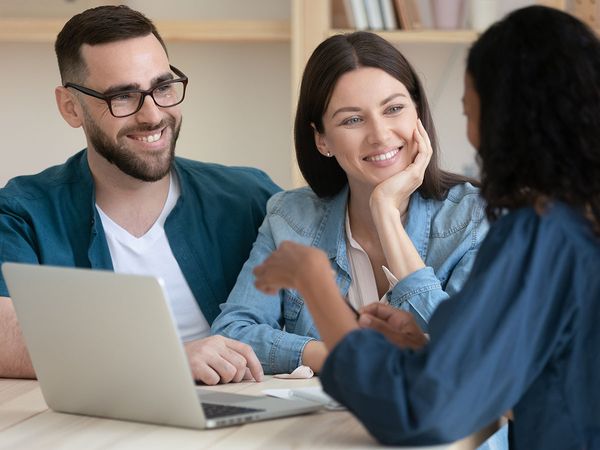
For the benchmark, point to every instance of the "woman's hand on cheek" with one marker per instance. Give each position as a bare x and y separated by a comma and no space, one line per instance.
291,266
397,189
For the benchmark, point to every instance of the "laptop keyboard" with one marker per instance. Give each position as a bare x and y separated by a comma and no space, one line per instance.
213,410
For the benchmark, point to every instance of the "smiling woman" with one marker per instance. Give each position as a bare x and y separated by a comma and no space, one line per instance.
370,130
395,228
522,334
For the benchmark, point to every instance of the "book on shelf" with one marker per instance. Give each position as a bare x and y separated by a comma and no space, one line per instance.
341,14
358,12
388,14
380,14
374,15
407,12
425,13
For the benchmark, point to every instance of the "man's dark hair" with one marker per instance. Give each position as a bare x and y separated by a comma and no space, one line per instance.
100,25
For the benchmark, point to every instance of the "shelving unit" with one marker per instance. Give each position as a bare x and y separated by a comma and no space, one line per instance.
423,36
309,24
45,30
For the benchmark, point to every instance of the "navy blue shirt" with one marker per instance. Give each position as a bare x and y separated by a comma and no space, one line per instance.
523,333
50,218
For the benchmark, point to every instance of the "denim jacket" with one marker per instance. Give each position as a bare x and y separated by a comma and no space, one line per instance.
446,234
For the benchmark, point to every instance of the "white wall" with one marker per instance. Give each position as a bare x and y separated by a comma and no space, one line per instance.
237,110
238,107
441,69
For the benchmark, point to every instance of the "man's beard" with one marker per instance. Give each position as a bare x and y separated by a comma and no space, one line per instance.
142,167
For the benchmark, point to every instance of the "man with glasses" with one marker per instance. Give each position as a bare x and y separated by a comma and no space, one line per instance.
126,203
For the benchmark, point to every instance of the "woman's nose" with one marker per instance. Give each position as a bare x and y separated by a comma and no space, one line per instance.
379,132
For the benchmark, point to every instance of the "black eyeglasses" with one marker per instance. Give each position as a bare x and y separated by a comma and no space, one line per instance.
126,103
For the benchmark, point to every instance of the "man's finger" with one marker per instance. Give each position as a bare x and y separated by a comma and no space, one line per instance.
205,374
248,375
233,357
238,361
226,370
252,361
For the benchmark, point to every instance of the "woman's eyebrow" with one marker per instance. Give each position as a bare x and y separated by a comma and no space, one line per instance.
392,97
356,109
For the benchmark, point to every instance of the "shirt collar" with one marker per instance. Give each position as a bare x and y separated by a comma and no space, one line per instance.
330,236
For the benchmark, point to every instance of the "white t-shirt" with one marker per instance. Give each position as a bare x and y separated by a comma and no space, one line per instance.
151,254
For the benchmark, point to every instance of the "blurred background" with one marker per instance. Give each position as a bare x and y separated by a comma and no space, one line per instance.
238,110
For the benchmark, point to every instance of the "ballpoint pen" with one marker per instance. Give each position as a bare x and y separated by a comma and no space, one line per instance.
354,310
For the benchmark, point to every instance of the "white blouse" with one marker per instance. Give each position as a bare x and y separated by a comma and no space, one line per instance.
363,289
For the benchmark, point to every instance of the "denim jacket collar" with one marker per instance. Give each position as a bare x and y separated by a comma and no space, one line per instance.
331,235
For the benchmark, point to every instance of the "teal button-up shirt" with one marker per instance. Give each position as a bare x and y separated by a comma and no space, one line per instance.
50,218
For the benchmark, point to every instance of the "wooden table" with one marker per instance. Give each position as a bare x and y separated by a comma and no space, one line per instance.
27,423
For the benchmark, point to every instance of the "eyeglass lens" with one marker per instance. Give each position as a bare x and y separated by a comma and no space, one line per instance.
165,95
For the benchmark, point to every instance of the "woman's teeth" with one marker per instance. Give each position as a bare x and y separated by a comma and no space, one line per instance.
384,156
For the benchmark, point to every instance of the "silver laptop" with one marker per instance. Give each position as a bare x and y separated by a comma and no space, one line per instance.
105,344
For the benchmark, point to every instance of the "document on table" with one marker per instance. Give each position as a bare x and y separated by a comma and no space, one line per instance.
313,394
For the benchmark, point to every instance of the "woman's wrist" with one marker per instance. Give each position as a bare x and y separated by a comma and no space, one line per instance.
314,355
384,209
383,200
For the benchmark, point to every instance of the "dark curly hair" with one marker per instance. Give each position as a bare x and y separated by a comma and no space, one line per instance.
100,25
333,58
537,74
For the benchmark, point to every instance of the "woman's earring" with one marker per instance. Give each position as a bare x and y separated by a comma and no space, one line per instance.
329,154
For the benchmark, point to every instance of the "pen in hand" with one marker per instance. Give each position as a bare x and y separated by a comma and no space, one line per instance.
354,310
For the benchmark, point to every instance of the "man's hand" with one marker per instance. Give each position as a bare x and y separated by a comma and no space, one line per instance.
217,359
397,326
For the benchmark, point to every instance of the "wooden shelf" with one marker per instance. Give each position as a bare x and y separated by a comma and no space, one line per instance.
423,36
225,30
45,30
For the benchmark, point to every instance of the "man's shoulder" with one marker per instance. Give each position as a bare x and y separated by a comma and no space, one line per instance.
45,183
461,191
301,207
462,208
300,198
222,177
465,200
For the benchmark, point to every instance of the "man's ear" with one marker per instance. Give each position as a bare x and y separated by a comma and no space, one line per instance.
68,106
321,142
